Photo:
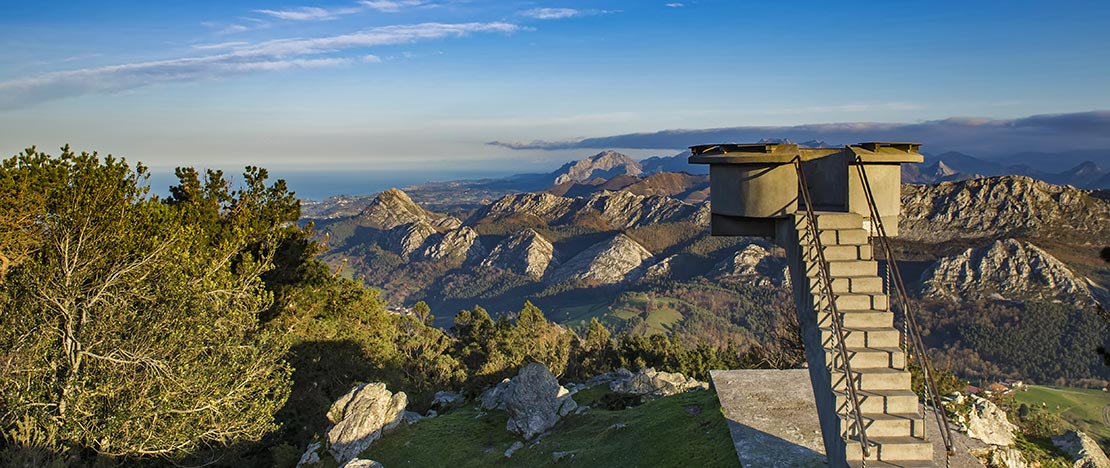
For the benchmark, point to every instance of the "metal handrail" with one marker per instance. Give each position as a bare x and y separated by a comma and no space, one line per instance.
837,318
903,298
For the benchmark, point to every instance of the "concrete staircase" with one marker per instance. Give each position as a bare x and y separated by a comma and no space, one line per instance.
891,413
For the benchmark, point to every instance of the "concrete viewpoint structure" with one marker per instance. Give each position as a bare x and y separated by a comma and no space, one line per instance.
756,191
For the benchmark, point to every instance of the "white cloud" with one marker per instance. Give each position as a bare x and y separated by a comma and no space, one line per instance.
676,5
386,35
220,45
309,13
371,58
561,13
237,58
551,13
392,6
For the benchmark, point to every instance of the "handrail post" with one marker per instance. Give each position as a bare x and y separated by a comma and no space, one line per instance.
903,299
825,278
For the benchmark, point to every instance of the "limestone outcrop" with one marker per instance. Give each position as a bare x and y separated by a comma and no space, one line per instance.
988,423
1004,206
361,463
524,253
393,208
410,238
755,264
460,245
1002,457
534,400
626,210
613,210
613,261
1084,450
649,382
605,164
544,207
360,417
1011,269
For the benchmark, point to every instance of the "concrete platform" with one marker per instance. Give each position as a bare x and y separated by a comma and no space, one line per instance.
772,418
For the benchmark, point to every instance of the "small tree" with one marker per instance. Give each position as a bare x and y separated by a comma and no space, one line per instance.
131,330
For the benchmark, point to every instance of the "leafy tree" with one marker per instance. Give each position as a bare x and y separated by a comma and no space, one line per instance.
131,329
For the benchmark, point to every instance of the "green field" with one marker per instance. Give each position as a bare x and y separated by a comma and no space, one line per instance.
578,316
1085,409
677,431
665,313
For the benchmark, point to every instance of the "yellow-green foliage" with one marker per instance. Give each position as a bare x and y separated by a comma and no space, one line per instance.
132,329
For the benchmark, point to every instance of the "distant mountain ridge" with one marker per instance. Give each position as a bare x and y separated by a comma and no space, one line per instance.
1000,207
955,166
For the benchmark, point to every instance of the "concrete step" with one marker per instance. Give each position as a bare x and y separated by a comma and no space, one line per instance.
900,464
867,358
859,285
864,337
870,379
892,450
884,425
847,252
838,220
853,268
853,301
859,319
881,401
841,237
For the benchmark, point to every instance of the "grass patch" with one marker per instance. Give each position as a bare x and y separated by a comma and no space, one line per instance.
578,316
663,314
678,431
1081,408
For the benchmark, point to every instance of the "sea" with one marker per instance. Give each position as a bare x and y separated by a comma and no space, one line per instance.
318,185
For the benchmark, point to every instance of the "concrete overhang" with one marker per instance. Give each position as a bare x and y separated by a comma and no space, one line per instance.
886,152
759,153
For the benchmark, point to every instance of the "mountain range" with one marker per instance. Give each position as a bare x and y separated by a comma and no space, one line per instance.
953,165
627,243
627,233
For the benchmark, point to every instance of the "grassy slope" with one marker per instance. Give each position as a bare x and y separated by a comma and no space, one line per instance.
1080,407
678,431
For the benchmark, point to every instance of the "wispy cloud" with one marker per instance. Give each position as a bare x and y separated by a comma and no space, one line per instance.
560,13
226,29
676,5
220,45
551,13
394,6
310,13
1048,132
386,35
232,58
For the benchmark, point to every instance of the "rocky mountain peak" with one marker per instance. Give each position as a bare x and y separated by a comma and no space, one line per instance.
1010,269
605,164
616,260
627,210
393,208
1004,206
525,252
460,245
543,206
754,263
411,237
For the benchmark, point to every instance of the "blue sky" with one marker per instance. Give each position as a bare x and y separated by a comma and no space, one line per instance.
425,85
